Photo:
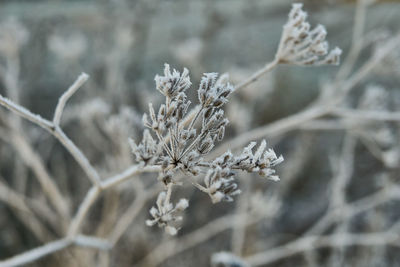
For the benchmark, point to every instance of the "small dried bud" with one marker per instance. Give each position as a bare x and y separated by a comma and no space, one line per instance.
221,133
165,214
165,178
148,151
206,145
171,84
218,187
208,113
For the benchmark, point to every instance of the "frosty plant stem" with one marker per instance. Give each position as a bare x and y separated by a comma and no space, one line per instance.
253,78
64,98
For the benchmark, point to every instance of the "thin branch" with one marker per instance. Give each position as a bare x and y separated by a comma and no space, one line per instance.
23,211
354,208
36,253
49,187
174,246
52,247
94,192
267,68
366,114
77,155
131,213
92,242
316,110
56,132
239,228
253,78
315,242
357,40
128,173
325,125
83,209
23,112
273,129
64,98
12,198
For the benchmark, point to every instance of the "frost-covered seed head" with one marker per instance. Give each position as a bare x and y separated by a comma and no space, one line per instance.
171,84
301,46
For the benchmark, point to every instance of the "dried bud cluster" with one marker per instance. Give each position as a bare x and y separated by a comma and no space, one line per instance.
260,162
220,184
302,46
166,214
219,181
147,151
171,84
213,93
183,139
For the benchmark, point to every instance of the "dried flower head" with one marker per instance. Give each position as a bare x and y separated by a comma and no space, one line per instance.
165,214
173,83
220,185
302,45
184,139
147,151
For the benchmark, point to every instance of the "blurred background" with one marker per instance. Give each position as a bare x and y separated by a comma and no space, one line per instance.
340,174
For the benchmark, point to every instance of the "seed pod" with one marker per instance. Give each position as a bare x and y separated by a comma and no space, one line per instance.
221,133
171,108
208,113
218,103
209,100
206,145
202,95
180,112
161,111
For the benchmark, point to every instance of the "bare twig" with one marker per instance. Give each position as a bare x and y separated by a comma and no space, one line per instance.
52,247
253,78
83,209
23,112
315,242
64,98
58,133
173,246
33,160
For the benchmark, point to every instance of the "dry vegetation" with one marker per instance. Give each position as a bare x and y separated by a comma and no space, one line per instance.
85,187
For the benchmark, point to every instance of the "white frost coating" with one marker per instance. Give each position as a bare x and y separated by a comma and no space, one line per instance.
64,98
23,112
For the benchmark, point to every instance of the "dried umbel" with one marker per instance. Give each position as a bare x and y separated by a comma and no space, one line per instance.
184,138
166,214
302,45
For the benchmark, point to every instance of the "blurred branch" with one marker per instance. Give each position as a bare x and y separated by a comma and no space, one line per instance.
64,98
51,247
315,242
